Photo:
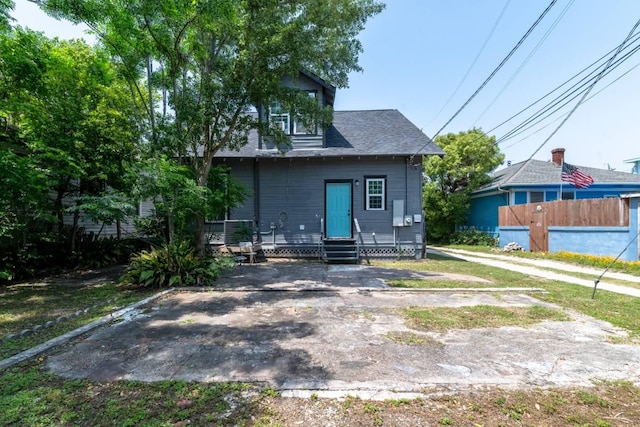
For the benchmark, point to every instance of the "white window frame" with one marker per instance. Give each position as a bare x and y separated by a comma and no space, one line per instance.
369,195
314,129
283,121
281,118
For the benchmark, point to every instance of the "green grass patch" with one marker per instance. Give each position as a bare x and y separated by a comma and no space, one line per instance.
479,316
617,309
25,306
630,267
30,397
436,284
409,338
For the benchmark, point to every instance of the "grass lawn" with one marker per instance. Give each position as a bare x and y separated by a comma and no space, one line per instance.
29,396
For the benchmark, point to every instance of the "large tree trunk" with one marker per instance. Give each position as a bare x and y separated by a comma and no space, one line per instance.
199,237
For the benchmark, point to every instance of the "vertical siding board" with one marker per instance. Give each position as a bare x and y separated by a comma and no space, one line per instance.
574,213
292,196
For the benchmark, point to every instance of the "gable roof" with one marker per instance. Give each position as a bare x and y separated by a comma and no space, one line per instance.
538,172
356,133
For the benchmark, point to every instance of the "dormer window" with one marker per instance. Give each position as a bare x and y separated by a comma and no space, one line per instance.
281,118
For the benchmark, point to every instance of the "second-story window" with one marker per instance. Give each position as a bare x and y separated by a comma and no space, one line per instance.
302,128
279,117
283,120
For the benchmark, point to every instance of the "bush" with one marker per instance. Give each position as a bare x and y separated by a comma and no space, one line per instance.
174,264
474,238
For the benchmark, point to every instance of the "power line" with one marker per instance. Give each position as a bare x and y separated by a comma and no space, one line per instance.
504,61
473,63
562,100
557,88
527,59
572,89
588,90
550,123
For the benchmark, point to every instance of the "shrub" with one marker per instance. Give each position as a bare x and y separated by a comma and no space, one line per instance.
174,264
474,238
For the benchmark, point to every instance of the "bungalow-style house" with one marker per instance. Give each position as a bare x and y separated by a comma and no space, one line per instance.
353,189
636,165
535,181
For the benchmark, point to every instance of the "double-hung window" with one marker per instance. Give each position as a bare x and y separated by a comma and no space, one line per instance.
375,188
280,117
308,128
284,121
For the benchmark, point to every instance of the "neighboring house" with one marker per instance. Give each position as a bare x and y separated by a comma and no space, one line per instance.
535,181
357,183
636,165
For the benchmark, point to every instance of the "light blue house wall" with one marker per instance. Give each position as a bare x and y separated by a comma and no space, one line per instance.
599,241
483,211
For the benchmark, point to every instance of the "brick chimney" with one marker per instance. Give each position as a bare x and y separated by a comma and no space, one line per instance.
557,156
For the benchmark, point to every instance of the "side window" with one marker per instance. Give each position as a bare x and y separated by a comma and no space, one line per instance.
301,128
568,195
375,193
536,196
280,117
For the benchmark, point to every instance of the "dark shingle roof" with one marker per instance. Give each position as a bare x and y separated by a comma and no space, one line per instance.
356,133
538,172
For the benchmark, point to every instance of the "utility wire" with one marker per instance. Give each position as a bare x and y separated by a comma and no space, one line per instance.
562,100
473,63
584,96
559,86
549,124
527,59
504,61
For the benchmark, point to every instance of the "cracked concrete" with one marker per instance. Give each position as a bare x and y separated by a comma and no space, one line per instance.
329,330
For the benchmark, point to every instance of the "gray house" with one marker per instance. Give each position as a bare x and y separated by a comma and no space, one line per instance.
353,189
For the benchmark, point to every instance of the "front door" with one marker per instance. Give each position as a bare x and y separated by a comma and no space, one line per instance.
338,209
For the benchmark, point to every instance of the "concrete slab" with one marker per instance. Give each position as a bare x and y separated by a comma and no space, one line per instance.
317,330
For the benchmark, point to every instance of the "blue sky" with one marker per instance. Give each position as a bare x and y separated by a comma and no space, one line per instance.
417,53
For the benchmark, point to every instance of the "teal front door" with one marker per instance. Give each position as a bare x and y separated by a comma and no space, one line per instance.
338,209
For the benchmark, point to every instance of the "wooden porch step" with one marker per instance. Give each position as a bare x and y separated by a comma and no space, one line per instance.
340,250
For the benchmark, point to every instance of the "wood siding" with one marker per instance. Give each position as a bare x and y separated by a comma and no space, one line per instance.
574,213
291,196
538,217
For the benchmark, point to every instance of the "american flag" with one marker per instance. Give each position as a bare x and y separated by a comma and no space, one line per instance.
575,176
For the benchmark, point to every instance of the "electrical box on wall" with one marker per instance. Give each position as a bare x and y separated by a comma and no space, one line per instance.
408,220
398,213
417,218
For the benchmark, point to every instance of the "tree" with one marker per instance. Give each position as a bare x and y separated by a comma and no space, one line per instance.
72,111
212,62
470,157
5,7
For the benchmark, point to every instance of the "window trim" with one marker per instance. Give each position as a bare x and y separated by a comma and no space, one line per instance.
314,131
540,193
367,195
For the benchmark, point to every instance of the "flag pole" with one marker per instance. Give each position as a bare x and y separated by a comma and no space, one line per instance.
561,168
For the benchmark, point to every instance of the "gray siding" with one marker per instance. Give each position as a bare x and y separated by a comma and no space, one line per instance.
291,195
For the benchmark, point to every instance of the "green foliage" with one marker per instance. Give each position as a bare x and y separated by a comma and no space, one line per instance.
48,254
216,61
174,264
105,209
70,137
474,238
470,157
244,233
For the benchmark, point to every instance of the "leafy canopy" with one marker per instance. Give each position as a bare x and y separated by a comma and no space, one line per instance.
207,64
470,157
